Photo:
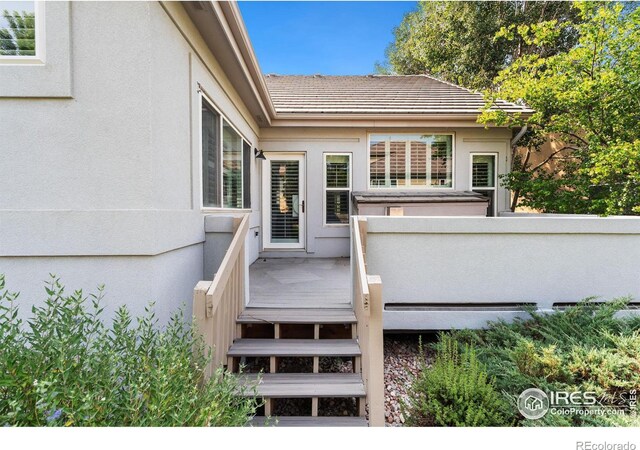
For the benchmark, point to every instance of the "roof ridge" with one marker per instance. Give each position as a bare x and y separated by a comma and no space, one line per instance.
451,84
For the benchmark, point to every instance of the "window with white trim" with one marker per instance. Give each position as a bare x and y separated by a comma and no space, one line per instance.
411,161
484,177
226,157
337,186
19,30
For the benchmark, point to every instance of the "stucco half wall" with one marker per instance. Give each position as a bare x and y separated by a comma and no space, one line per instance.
167,279
456,272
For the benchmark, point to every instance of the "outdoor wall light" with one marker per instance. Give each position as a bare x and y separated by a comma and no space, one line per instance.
259,154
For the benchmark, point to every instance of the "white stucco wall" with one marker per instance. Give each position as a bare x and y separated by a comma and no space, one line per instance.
332,240
498,261
103,184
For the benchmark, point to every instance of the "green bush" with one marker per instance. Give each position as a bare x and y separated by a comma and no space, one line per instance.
588,347
65,366
455,390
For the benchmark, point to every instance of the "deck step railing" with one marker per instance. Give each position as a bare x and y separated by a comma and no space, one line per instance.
217,303
367,304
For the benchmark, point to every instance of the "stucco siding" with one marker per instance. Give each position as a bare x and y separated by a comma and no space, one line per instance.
104,184
136,281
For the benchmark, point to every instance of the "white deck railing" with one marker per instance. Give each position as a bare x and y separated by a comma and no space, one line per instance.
367,304
217,303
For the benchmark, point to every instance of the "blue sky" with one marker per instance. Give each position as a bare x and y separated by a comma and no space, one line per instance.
331,38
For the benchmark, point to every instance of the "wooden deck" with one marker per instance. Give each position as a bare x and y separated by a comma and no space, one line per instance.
300,283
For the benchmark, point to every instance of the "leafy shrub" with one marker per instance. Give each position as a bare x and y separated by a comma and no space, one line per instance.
587,347
455,390
65,366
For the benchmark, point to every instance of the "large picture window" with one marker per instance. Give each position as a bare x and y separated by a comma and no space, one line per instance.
225,162
337,176
410,161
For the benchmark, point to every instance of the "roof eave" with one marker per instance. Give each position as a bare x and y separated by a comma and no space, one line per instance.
239,30
220,25
468,117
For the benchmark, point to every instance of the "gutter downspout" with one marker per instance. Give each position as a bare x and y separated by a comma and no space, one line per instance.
518,136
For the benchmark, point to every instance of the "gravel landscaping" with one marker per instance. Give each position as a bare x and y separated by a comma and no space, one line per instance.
401,356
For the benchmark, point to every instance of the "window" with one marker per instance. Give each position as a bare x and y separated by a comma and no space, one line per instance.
225,162
337,176
484,177
410,161
20,30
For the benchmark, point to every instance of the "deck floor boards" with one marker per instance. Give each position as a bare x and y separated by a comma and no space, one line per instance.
300,283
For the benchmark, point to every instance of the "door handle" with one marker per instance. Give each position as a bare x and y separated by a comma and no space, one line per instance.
302,205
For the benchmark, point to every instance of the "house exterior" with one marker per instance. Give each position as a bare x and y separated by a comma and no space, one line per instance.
124,157
125,162
162,163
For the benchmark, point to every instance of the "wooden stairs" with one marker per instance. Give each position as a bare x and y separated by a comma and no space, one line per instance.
294,349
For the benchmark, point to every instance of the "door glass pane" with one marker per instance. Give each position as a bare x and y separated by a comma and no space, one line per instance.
285,191
232,167
210,156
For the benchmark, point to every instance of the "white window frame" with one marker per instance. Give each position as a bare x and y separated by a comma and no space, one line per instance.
408,159
326,188
223,119
38,58
496,157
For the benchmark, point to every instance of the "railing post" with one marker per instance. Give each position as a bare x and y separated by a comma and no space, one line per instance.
375,386
204,322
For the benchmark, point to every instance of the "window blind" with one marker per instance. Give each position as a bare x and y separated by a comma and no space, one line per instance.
285,188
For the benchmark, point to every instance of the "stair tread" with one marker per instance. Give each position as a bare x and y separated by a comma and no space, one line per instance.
303,385
299,315
305,421
294,347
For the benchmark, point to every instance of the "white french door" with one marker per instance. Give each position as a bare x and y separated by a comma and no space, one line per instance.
283,201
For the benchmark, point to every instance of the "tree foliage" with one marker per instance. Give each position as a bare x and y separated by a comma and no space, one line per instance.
18,39
462,42
587,100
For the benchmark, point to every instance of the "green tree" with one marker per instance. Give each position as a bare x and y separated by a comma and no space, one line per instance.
456,41
585,99
19,37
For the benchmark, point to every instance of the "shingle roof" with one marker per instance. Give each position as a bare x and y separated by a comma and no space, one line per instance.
375,94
